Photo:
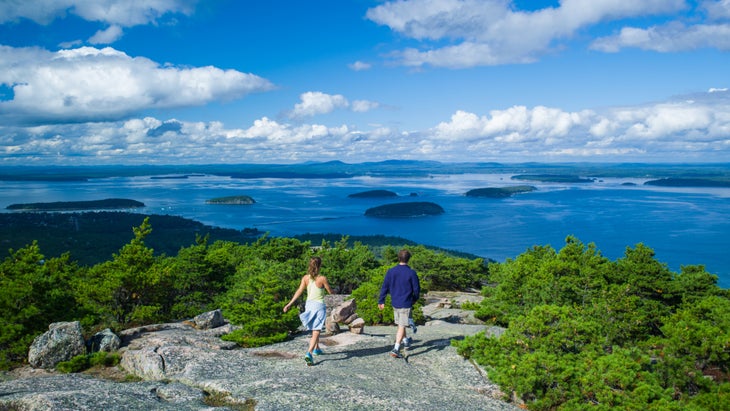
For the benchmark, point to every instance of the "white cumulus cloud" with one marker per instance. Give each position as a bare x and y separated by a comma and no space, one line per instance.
313,103
113,12
107,36
88,84
468,33
359,66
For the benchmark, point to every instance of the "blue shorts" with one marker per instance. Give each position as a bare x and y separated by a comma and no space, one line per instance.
314,315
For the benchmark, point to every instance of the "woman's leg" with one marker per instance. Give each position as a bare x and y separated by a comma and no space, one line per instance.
314,341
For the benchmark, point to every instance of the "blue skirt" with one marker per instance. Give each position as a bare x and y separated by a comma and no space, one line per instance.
314,315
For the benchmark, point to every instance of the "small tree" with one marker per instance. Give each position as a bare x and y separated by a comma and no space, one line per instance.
119,292
256,300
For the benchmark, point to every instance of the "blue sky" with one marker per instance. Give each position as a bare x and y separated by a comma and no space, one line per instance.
229,81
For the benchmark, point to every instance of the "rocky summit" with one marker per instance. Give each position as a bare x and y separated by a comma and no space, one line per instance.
181,367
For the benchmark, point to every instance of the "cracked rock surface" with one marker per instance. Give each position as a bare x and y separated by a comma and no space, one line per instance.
187,369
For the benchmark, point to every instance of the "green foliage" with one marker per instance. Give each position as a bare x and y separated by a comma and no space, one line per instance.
121,292
346,267
256,300
191,281
83,362
35,292
250,282
584,332
367,294
442,272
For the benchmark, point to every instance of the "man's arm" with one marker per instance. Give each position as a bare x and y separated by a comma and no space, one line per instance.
416,288
384,289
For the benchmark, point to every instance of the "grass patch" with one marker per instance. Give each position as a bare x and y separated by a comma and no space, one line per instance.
224,399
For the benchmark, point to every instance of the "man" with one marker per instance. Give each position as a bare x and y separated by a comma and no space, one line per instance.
401,282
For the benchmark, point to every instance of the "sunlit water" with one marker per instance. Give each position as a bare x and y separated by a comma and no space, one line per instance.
683,226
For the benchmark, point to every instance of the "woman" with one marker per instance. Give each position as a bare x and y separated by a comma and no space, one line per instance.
315,311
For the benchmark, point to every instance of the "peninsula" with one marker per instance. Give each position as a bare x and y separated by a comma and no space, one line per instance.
499,192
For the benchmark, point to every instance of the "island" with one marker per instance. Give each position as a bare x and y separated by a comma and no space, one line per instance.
373,194
231,200
106,204
499,192
405,210
688,182
552,178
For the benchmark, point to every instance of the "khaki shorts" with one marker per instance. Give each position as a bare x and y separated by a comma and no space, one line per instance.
401,316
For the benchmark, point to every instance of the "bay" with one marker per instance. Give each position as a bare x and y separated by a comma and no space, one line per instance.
684,226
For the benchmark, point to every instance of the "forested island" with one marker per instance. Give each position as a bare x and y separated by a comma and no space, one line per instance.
373,194
106,204
405,210
231,200
499,192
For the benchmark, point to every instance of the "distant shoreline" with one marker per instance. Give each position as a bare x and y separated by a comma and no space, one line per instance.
106,204
547,172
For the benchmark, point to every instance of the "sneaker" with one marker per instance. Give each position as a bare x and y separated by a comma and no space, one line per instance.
406,342
308,359
395,353
317,351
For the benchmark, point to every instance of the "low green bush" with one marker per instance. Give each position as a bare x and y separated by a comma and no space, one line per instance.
84,362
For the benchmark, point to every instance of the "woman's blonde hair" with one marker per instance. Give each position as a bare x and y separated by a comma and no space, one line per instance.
314,264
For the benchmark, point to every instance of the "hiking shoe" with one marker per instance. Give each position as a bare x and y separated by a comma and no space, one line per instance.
395,353
317,351
308,359
406,342
413,325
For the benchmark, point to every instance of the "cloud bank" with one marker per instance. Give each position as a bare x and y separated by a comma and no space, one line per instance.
691,128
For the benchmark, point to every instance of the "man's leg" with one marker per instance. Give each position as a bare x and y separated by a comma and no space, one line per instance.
399,335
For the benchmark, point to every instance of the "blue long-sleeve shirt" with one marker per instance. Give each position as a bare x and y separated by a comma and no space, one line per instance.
401,282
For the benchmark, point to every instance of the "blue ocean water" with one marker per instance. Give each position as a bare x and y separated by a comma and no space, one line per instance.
684,226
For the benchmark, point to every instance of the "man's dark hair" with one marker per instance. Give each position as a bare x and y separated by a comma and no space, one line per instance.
404,256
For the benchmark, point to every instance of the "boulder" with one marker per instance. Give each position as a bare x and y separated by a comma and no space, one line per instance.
344,310
331,326
211,319
61,342
351,318
357,326
104,340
